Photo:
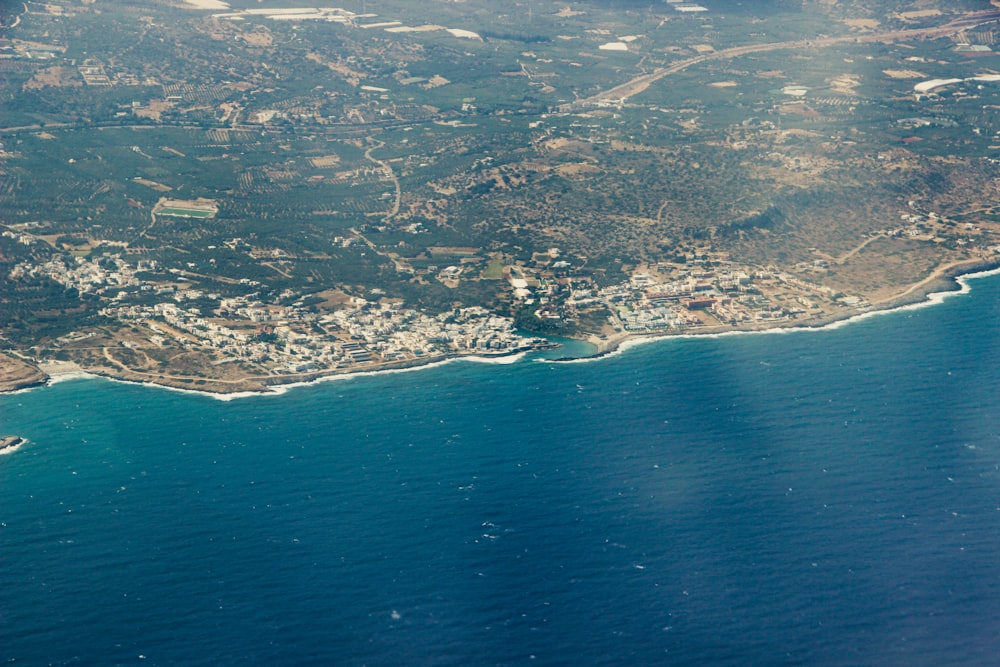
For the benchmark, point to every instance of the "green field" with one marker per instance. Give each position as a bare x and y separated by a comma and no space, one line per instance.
494,270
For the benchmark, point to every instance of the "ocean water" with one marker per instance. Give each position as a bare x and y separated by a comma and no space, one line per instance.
811,498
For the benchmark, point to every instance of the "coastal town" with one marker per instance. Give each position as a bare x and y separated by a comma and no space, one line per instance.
156,321
320,210
286,342
545,332
268,338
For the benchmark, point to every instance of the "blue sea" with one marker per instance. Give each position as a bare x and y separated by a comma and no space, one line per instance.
827,497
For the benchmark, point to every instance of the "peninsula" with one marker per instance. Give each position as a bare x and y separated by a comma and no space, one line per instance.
227,198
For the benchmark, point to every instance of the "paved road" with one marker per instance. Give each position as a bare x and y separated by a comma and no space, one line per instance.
642,82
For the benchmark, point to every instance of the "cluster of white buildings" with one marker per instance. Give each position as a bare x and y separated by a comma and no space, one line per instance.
689,298
365,333
106,277
285,339
288,339
398,333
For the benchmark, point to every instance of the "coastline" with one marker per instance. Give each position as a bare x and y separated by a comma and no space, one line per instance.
17,374
946,281
65,371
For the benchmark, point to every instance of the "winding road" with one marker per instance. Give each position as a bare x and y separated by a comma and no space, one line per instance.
392,176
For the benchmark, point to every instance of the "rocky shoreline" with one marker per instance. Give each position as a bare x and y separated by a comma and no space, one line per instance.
9,443
258,384
16,374
944,280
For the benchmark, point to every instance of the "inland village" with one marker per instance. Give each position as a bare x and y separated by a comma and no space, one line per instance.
231,196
